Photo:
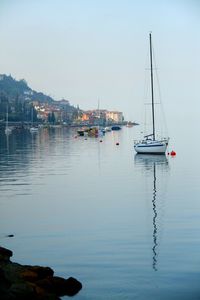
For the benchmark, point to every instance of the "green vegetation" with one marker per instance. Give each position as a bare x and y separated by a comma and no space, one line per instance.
18,99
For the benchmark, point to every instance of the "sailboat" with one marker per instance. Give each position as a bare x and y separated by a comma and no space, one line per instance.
150,144
32,128
8,130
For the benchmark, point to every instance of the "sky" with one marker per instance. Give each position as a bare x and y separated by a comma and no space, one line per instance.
88,51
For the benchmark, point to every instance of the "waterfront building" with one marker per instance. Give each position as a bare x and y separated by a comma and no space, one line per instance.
114,117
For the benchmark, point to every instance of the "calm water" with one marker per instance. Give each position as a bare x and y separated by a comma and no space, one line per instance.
127,226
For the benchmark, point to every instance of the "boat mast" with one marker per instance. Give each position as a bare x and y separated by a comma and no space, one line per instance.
7,117
152,92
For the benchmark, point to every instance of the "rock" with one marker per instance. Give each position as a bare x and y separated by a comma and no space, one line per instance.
60,286
28,275
12,271
2,276
42,272
73,286
5,254
4,284
21,282
22,290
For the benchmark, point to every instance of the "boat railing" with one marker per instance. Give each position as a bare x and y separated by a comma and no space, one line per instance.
141,141
148,140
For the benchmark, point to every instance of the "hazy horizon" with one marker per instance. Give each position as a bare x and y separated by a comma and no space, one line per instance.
90,51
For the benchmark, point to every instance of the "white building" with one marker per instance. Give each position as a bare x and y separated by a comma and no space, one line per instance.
114,116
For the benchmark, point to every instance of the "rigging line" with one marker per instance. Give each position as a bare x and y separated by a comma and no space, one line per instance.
146,74
145,92
159,91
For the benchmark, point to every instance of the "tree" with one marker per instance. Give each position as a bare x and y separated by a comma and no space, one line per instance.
51,118
4,105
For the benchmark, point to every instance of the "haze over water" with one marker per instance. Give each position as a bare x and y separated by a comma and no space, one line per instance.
125,225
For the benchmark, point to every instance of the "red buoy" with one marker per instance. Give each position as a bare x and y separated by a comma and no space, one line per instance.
173,153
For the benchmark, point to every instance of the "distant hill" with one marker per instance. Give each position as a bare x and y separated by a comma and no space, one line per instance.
12,88
19,100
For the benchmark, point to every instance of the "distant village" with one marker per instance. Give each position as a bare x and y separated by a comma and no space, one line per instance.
62,115
19,103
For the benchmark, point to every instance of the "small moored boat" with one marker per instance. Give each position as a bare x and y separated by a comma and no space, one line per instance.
8,129
116,127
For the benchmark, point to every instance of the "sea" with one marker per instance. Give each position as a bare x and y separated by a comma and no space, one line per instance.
127,226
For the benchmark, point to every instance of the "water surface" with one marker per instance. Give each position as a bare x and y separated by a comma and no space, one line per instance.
126,225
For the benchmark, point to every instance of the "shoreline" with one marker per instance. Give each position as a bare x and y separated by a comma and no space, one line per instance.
18,282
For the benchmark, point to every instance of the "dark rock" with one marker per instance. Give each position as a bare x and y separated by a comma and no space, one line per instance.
12,271
35,273
5,254
4,284
10,235
24,282
22,290
29,275
42,272
60,286
73,286
2,276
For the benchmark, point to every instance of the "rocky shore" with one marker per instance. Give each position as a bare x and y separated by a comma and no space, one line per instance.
26,282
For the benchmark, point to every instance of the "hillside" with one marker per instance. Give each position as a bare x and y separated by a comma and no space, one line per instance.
19,100
12,88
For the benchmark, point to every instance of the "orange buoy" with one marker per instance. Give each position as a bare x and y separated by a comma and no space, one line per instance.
173,153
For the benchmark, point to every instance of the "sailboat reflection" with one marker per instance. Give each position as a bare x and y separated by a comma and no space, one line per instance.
151,164
155,229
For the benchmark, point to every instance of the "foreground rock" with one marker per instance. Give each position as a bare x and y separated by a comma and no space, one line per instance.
32,282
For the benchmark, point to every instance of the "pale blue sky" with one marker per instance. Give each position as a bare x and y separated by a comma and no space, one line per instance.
89,50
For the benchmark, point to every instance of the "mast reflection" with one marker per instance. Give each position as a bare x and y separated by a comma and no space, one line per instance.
150,164
155,244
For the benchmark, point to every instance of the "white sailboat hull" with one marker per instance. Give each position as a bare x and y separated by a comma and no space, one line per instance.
151,147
